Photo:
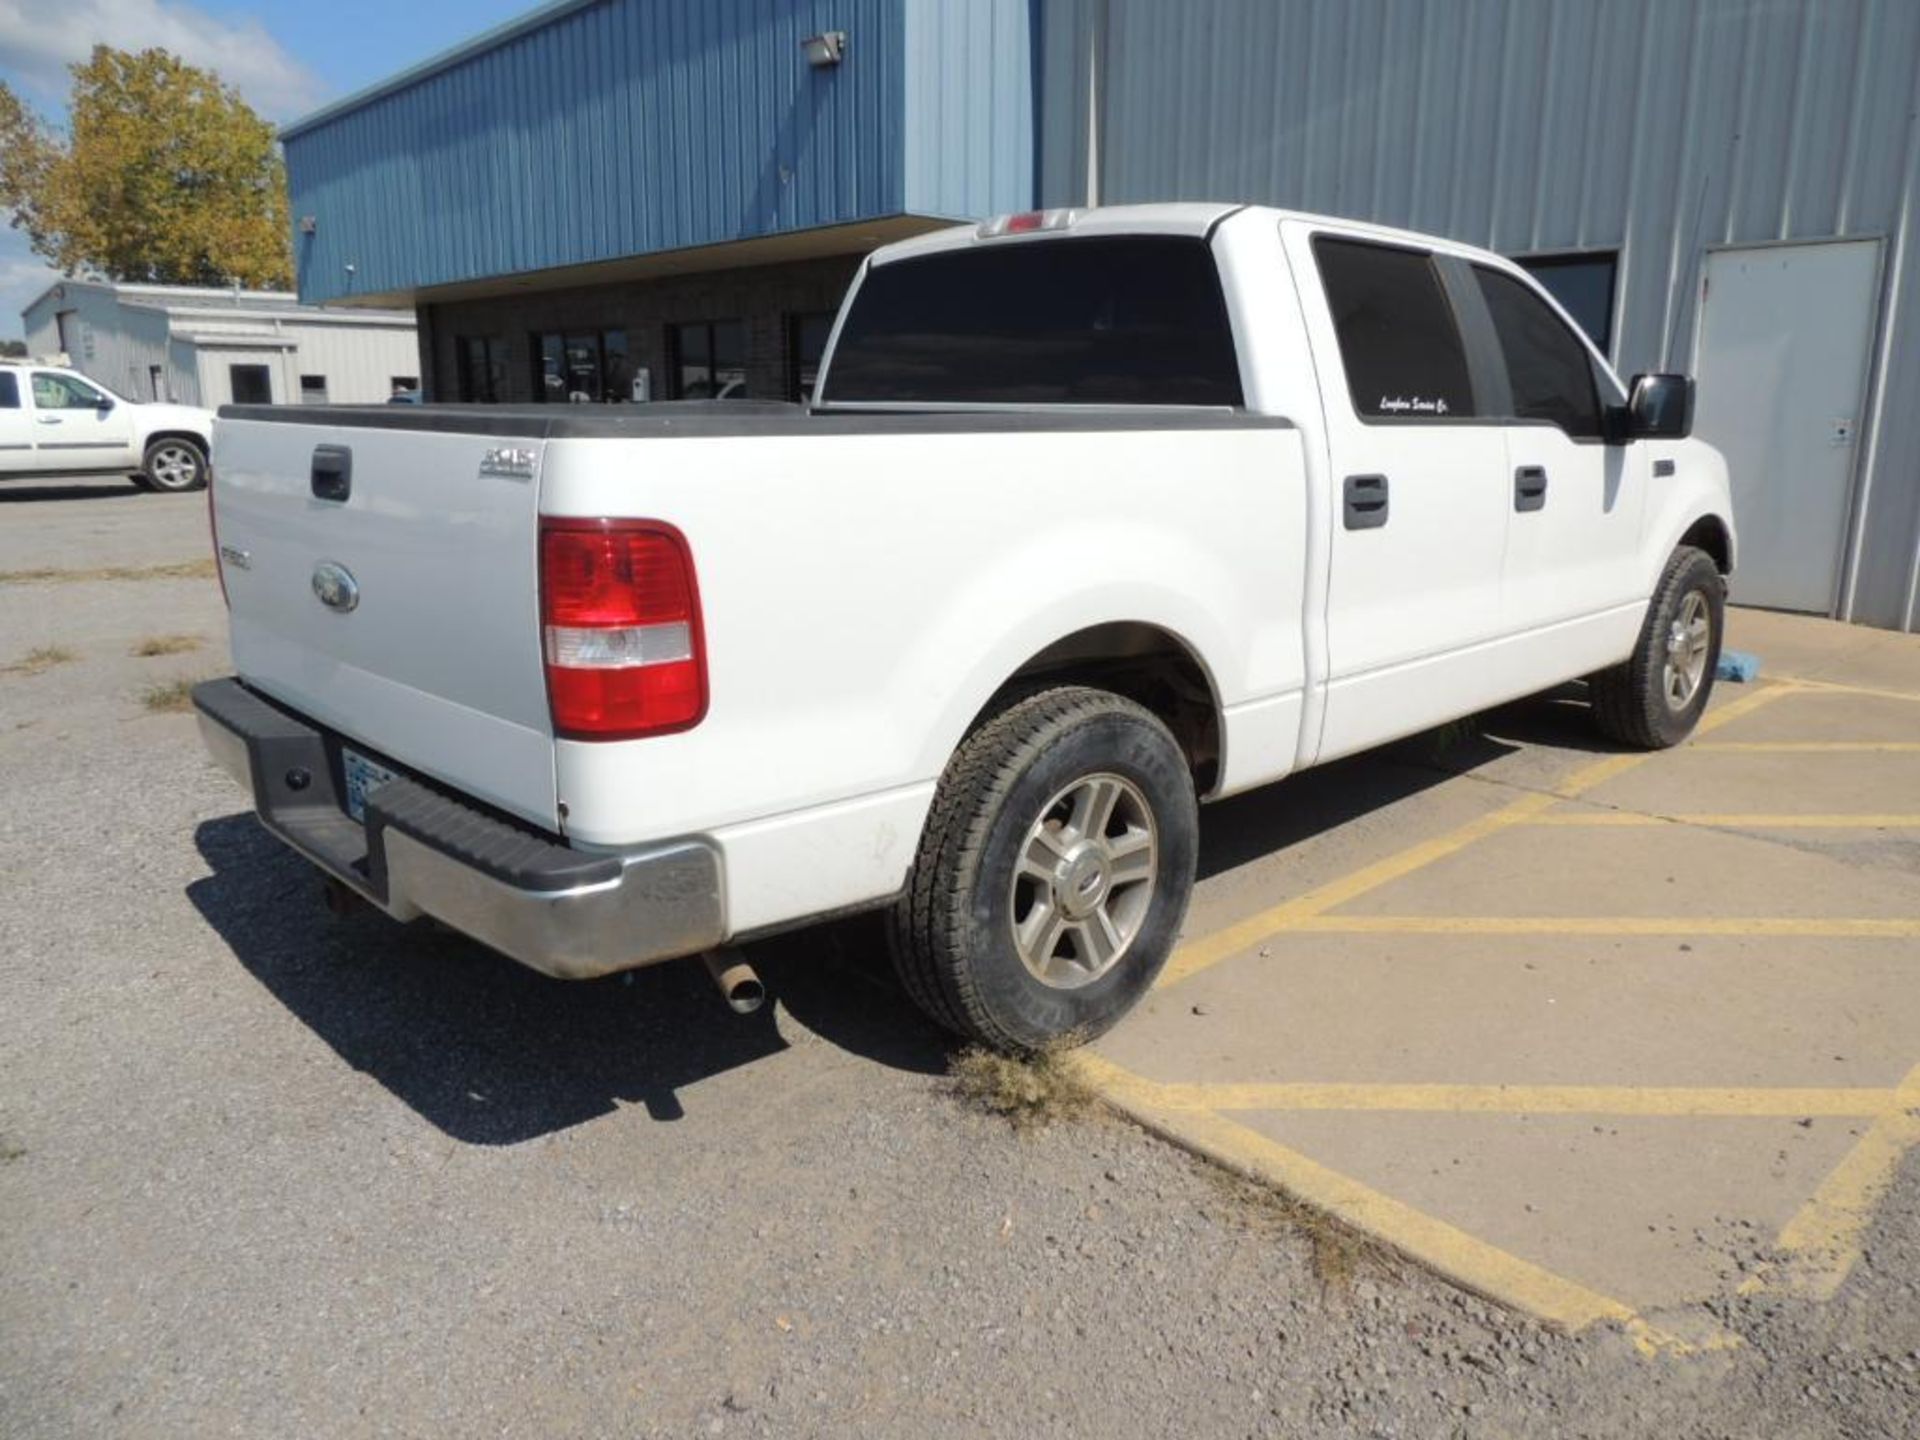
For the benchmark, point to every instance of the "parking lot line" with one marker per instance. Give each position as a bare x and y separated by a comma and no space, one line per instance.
1800,926
1200,954
1822,1242
1837,688
1689,1100
1467,1260
1813,747
1630,818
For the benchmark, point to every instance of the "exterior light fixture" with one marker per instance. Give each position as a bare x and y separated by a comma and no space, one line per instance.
825,49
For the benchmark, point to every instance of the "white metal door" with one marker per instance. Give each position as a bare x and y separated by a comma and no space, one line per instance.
1783,341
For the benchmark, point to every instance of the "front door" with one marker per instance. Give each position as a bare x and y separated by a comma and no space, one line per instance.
1781,353
1421,496
1573,565
77,426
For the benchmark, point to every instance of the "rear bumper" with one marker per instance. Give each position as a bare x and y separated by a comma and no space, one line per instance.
568,913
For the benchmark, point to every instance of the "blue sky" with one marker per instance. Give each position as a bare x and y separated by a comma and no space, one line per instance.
285,56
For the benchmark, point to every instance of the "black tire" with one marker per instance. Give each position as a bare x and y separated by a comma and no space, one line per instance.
1632,702
173,465
952,933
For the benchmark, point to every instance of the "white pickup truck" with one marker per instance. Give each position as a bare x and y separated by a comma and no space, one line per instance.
1096,514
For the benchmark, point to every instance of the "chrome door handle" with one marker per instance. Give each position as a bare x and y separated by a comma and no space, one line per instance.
49,419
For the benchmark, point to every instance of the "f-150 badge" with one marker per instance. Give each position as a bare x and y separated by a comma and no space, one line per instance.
514,461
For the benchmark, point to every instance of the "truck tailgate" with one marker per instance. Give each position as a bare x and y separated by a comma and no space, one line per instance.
433,658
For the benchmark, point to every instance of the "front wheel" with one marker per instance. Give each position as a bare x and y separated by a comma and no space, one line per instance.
1053,873
1654,698
173,465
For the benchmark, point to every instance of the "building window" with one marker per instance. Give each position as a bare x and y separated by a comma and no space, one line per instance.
313,389
482,361
1583,284
582,366
709,360
1402,351
806,344
410,384
252,384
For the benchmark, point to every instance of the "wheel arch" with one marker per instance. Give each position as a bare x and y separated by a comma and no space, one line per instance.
1147,663
1712,534
202,443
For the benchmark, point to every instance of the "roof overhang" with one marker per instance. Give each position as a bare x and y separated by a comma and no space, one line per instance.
817,243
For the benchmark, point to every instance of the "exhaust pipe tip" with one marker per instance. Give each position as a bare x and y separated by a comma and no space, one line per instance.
338,897
739,984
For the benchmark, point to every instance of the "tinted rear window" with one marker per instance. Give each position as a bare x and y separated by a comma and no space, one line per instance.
1402,351
1127,320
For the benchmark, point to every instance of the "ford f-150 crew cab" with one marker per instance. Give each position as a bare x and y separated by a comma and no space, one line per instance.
1095,515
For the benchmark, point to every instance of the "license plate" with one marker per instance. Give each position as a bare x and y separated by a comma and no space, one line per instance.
363,778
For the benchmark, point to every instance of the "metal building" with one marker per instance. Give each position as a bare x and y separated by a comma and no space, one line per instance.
209,347
614,198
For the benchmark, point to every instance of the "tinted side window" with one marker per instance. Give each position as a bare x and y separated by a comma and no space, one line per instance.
1126,320
9,391
1547,366
1398,338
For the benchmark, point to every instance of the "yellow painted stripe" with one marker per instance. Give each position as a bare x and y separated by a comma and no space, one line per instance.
1630,818
1813,747
1809,927
1834,687
1465,1259
1797,1102
1209,950
1821,1244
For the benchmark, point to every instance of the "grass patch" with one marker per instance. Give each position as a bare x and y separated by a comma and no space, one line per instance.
1026,1091
1338,1254
182,570
166,645
43,658
170,697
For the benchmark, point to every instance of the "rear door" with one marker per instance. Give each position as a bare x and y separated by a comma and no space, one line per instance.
1421,498
78,426
383,581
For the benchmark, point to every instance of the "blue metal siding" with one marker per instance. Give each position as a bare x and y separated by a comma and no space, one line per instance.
615,128
970,95
1660,127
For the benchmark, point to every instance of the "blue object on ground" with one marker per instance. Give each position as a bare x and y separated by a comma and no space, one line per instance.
1738,665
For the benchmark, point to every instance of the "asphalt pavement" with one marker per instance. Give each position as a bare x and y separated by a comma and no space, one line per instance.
264,1171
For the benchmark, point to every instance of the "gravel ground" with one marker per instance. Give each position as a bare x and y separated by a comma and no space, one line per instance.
264,1172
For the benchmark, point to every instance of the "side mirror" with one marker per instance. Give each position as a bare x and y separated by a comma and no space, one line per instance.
1661,407
104,404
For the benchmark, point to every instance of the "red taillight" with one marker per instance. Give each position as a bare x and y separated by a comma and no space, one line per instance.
620,628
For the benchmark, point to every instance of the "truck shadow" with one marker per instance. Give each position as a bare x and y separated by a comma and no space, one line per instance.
492,1053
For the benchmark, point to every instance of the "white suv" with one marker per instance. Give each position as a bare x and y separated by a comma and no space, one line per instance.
57,422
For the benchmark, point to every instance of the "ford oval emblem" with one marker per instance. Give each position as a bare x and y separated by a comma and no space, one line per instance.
335,587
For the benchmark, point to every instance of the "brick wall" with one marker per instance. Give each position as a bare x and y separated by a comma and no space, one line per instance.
762,297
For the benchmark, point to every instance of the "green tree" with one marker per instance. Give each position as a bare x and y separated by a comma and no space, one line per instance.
164,175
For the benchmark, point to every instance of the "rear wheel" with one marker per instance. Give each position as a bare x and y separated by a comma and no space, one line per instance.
1053,873
1654,698
174,464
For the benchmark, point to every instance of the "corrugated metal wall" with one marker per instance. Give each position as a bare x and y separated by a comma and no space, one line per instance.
615,128
970,101
1660,127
